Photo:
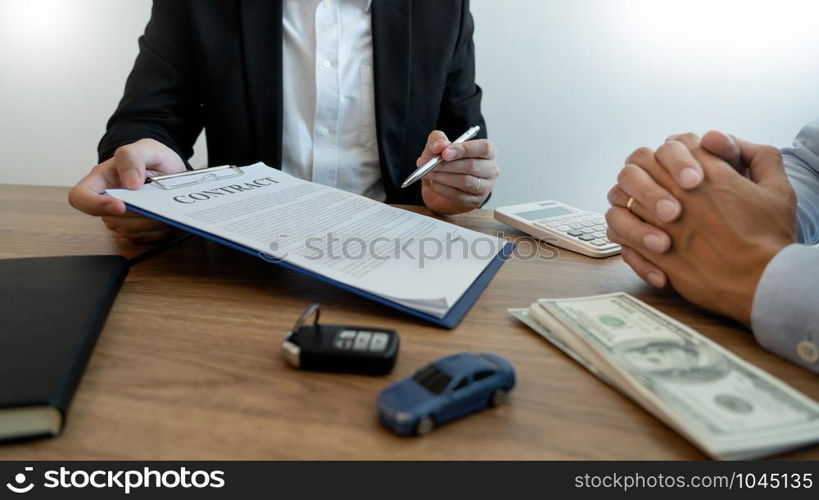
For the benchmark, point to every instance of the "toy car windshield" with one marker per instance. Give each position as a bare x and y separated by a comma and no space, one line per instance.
432,379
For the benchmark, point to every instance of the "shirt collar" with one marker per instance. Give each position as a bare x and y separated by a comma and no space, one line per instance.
369,5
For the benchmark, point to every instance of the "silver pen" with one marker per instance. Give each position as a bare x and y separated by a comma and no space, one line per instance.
437,159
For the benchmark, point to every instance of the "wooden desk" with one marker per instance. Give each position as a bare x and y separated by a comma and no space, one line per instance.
188,364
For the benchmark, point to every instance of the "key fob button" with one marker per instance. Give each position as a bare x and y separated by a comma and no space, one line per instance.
379,342
347,334
362,341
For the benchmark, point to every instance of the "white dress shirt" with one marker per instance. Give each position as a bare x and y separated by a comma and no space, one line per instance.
329,132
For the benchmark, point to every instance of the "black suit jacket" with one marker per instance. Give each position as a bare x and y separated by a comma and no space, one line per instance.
218,65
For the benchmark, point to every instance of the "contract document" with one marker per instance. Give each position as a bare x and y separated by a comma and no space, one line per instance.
418,264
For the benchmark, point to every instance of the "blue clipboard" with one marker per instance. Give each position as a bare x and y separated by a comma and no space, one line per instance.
451,320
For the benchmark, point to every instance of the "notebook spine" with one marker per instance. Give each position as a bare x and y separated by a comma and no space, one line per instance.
74,370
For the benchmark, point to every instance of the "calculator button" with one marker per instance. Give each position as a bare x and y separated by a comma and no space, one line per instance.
587,224
599,234
575,233
576,226
362,341
598,243
564,228
347,334
379,342
587,237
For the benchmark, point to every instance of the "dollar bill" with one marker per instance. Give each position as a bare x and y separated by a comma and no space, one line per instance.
724,405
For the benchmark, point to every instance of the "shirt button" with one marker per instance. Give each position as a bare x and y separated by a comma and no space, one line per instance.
323,131
807,351
326,64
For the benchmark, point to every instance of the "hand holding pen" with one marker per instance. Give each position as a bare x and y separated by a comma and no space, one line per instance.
464,177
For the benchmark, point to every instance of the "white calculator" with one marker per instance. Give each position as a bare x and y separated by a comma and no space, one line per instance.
561,225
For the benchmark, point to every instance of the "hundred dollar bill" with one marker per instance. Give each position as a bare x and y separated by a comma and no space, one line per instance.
522,314
726,406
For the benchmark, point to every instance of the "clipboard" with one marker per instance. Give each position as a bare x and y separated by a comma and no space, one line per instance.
453,317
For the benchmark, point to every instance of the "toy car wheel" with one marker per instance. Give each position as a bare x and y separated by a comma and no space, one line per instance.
498,398
424,426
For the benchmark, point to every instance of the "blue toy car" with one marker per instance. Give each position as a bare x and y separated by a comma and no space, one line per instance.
445,390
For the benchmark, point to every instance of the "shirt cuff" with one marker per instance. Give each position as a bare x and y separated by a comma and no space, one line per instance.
785,314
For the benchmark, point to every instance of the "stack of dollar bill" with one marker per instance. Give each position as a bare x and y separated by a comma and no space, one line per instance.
725,406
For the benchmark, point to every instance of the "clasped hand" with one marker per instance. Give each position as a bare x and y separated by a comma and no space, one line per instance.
706,215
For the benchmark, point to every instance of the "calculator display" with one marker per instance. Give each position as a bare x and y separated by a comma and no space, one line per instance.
544,213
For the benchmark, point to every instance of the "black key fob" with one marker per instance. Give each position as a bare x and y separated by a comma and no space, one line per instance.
340,348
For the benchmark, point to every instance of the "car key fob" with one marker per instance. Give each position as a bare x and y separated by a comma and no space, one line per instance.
339,348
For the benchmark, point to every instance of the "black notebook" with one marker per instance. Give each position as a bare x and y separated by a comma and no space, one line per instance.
51,312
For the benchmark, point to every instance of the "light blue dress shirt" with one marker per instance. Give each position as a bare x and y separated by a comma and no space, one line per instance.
785,314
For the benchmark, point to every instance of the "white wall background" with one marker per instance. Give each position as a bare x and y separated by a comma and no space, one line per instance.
571,86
